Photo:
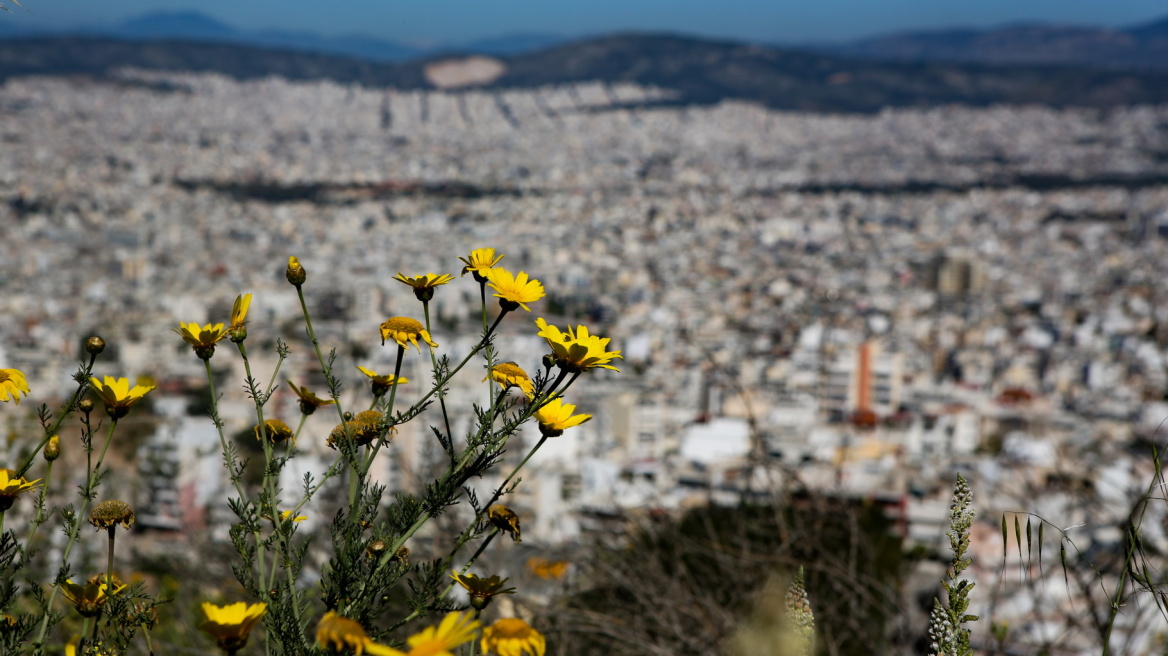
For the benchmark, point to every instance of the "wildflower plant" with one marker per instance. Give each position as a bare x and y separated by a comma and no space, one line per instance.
948,634
366,572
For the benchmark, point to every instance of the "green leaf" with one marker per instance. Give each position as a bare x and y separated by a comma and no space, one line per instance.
1029,545
1005,542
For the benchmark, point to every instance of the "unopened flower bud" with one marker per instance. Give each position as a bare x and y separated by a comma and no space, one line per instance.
94,345
375,548
238,334
86,406
53,449
295,273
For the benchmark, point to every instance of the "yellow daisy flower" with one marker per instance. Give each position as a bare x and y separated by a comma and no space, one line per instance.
89,598
343,633
556,416
381,384
512,636
231,625
424,284
309,401
506,519
12,486
278,431
481,590
509,374
12,383
479,262
454,630
405,331
202,339
238,328
514,291
577,351
117,395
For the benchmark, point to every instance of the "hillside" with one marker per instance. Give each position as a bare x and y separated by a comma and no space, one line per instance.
699,71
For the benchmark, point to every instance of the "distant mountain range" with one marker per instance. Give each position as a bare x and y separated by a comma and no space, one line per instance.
1142,46
196,26
695,70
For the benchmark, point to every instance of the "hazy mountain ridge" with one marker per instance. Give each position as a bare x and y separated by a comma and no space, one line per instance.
1140,47
698,71
196,26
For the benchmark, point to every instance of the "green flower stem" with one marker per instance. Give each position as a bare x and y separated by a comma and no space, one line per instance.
401,354
316,347
267,486
324,365
74,531
149,642
40,514
376,400
109,568
66,410
489,354
299,426
502,488
234,478
441,397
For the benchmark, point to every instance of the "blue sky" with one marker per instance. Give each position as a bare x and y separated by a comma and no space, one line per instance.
456,20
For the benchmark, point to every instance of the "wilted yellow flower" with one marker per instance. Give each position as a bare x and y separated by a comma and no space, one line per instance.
89,598
231,625
506,519
202,339
514,291
512,636
109,514
405,331
238,327
278,431
117,395
424,284
363,429
12,486
285,515
12,383
577,351
343,633
509,374
381,384
556,416
309,401
481,590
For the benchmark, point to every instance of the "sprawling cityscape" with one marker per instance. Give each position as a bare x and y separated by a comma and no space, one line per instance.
858,305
